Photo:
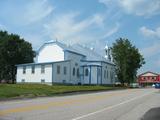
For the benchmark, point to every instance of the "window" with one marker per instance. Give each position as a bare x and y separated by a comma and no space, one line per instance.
42,68
104,73
78,72
33,69
23,80
86,72
98,72
65,70
58,69
73,71
42,80
111,75
153,78
76,64
24,69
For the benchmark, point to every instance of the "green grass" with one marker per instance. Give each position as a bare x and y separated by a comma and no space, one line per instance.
35,90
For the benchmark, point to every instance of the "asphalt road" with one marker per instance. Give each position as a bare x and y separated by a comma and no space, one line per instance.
130,104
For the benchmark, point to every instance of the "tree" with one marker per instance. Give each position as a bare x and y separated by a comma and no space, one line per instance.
127,59
13,50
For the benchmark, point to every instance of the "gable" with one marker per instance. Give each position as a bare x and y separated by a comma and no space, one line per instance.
50,53
149,74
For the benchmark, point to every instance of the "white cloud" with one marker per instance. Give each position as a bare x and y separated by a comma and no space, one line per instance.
37,10
150,32
145,8
67,27
25,12
151,50
3,27
112,31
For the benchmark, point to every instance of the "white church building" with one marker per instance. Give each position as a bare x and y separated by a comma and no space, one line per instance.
56,62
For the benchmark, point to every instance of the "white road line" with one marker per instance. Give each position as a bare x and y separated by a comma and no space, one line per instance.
110,107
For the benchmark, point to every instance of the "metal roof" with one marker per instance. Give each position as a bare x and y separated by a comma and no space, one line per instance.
91,55
63,46
43,63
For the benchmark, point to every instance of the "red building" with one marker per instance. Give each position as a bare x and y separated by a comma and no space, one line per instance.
148,78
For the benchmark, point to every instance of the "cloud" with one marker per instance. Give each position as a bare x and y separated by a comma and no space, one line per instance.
150,32
69,28
35,21
145,8
3,27
37,10
112,31
25,12
150,51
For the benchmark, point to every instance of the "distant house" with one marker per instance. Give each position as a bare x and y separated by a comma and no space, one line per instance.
58,63
148,78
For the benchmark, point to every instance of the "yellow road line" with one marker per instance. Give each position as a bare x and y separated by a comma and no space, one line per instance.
59,103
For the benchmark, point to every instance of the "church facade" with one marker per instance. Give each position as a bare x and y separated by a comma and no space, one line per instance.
58,63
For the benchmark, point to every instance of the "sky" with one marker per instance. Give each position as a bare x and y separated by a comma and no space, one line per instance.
93,23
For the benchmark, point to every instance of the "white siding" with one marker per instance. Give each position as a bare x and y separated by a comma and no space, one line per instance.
75,63
60,78
94,75
54,53
50,53
37,76
86,78
111,70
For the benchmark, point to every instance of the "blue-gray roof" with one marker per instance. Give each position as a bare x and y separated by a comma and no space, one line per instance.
91,55
63,46
43,63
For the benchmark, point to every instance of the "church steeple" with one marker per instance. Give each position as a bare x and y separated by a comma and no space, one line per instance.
107,52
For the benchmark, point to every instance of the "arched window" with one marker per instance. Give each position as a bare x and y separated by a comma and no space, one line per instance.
104,73
65,70
78,72
98,71
86,72
73,71
58,69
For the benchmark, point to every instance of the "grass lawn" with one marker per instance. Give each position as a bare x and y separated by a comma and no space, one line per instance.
35,90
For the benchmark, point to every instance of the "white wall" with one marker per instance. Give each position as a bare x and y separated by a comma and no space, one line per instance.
37,76
75,63
111,71
94,75
86,78
50,53
60,78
